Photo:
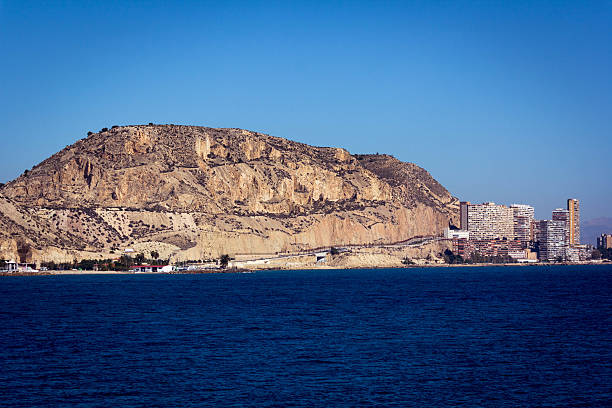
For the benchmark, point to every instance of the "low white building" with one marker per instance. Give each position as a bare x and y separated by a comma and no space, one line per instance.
458,234
10,266
517,254
572,254
152,268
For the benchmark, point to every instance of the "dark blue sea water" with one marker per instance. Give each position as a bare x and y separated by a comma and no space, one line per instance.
498,336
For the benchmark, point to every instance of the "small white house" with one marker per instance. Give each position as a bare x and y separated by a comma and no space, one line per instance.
10,266
152,268
26,267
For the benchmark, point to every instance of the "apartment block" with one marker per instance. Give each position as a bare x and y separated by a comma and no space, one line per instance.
563,215
489,247
490,221
551,235
463,215
604,241
573,206
523,219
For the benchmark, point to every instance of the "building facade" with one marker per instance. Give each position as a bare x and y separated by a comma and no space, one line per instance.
563,215
604,241
463,215
551,236
490,221
522,220
489,248
573,207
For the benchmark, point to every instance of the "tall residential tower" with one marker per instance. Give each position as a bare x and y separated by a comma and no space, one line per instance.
604,241
463,215
551,236
573,206
563,215
523,218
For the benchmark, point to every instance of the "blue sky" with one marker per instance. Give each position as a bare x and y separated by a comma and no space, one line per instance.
501,101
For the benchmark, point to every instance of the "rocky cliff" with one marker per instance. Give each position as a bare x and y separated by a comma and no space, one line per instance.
195,193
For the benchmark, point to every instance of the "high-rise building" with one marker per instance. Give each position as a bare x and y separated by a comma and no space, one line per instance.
463,215
563,215
551,237
573,206
523,216
490,221
604,241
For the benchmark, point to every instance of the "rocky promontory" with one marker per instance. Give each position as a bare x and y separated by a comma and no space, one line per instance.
195,193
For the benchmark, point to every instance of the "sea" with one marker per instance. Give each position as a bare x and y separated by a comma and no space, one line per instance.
531,336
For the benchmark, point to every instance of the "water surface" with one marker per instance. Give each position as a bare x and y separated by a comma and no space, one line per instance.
489,336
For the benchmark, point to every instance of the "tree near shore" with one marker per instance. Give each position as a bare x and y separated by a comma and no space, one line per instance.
605,253
126,261
224,261
154,255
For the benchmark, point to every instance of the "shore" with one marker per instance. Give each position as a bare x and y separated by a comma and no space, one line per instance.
319,267
91,272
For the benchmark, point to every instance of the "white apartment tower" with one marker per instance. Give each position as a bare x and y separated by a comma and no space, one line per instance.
563,215
523,217
490,221
551,234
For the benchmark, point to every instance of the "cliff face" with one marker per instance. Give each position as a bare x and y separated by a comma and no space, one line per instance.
195,192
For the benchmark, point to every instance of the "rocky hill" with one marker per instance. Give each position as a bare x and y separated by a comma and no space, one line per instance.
195,193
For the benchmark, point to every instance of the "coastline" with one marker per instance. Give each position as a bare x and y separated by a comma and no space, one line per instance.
326,267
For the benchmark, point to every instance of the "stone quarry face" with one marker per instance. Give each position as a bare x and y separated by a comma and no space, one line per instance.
196,192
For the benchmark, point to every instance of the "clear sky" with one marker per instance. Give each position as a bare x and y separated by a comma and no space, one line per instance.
507,101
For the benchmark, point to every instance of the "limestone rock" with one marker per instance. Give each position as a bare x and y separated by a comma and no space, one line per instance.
195,193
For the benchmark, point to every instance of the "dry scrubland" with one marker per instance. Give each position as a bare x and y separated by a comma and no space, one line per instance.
194,193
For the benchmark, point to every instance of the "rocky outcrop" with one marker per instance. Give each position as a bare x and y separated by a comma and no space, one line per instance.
196,192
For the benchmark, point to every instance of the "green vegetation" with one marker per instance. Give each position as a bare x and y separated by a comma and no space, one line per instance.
602,253
139,258
124,263
451,258
475,258
408,261
224,261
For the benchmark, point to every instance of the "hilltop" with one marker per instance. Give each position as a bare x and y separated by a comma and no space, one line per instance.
197,192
